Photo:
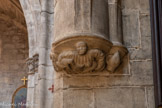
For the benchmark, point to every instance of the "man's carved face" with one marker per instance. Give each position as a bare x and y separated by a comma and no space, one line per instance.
81,48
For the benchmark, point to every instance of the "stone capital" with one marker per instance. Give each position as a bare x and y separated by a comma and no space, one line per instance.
32,64
86,54
88,38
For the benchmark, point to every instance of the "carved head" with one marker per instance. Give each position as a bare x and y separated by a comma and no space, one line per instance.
81,48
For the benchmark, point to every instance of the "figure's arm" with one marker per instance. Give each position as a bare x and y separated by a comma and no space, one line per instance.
99,56
65,58
92,68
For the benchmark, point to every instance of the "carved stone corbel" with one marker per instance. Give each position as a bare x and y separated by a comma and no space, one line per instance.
80,55
36,61
32,64
87,38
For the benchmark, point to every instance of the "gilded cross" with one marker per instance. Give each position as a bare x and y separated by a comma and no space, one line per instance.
24,80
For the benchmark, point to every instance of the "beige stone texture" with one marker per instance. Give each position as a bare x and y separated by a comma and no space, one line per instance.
14,51
83,98
130,87
84,17
120,98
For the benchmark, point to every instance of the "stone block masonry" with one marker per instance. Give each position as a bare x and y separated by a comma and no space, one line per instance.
131,87
14,51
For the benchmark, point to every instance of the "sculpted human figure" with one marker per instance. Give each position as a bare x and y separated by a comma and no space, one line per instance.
81,60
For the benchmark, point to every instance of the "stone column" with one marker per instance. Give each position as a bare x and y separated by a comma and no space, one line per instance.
44,97
31,90
115,21
30,87
83,47
35,80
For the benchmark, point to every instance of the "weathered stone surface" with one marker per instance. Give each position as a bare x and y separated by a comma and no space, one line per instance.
120,98
103,81
78,99
14,48
145,25
43,95
30,99
84,18
44,57
131,28
47,30
31,81
39,18
47,6
131,4
141,73
75,56
85,82
46,72
144,52
126,89
58,96
150,97
32,11
144,6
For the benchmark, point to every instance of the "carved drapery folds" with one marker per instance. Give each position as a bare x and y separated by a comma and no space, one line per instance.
32,64
86,54
87,36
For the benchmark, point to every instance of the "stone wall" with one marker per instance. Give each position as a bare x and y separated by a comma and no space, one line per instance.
39,18
131,88
13,53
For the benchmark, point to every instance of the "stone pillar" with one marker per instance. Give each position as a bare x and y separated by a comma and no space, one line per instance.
85,18
115,21
33,69
44,97
30,87
83,47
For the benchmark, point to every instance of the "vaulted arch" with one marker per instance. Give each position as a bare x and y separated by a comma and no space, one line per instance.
14,48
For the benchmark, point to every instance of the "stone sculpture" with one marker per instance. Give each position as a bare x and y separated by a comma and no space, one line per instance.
113,62
81,60
84,60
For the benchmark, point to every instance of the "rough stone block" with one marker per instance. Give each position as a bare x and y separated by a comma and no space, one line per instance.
120,98
131,4
143,53
43,93
4,67
78,99
31,81
131,30
30,99
46,72
145,25
47,6
84,82
150,96
58,96
44,57
142,73
144,6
